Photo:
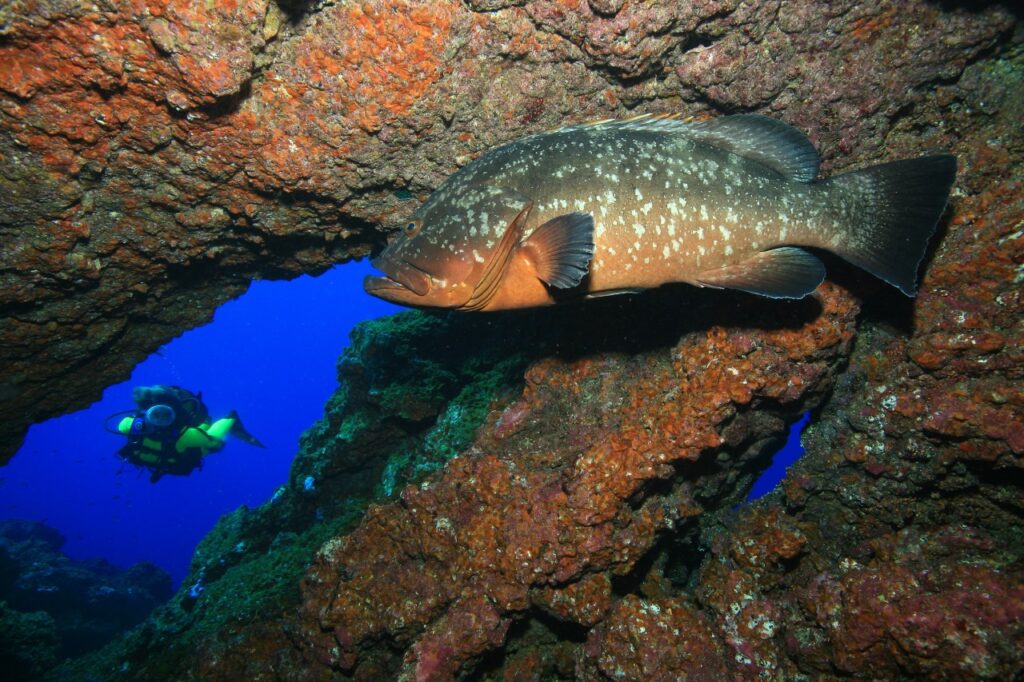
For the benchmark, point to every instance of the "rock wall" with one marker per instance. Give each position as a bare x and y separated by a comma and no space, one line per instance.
558,494
157,156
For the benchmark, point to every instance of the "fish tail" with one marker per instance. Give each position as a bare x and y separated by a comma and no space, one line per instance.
890,212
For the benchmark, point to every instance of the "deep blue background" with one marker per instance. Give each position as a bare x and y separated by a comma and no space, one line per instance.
270,355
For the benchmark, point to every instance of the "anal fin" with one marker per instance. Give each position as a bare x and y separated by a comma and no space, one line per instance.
612,292
785,272
561,249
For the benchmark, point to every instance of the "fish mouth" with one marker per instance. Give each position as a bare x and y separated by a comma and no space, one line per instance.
374,284
398,276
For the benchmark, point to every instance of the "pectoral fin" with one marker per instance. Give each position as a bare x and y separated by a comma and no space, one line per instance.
786,272
497,266
561,249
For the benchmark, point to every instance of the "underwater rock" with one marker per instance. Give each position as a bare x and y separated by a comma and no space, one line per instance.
72,606
155,157
549,493
573,491
647,640
28,644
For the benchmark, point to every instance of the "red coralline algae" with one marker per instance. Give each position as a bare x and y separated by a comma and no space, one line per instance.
584,602
945,620
545,515
657,641
212,45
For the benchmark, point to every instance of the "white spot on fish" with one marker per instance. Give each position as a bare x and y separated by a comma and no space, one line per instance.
703,212
477,257
639,230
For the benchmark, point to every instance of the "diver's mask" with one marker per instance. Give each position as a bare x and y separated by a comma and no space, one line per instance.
156,418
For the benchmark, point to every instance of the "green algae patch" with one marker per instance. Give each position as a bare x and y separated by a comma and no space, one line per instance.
29,643
206,616
413,390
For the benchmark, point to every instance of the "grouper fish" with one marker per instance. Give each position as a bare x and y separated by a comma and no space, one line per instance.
626,205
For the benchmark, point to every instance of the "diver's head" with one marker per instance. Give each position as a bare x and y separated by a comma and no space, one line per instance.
154,420
159,416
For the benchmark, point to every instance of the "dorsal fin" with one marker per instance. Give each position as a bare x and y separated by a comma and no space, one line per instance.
770,142
773,143
659,122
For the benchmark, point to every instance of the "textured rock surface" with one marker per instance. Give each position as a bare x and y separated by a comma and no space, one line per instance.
590,511
530,508
53,607
154,157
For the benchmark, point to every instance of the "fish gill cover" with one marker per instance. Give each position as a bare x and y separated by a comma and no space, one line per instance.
564,510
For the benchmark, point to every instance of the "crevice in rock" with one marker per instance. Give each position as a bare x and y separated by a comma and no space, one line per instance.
534,633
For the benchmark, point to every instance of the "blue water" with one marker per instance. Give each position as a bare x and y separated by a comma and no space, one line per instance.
269,354
789,453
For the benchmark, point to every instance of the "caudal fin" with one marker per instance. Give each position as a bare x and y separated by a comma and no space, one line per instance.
892,211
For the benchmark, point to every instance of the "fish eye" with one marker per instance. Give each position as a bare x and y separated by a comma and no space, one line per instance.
412,227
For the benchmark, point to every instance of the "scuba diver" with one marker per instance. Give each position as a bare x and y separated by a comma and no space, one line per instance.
170,431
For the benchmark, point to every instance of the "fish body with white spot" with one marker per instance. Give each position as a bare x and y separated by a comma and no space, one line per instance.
629,205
